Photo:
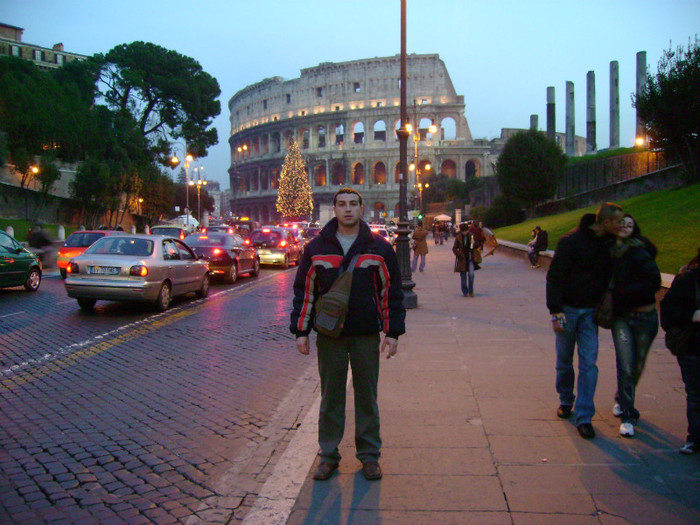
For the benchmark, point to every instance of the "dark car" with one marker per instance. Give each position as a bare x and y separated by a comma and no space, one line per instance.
18,266
228,254
276,246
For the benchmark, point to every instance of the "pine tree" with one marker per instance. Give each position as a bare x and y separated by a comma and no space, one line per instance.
294,199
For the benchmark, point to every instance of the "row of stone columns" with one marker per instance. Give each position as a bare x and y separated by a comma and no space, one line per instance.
591,124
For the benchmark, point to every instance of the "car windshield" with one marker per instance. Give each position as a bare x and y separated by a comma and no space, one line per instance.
166,230
309,233
82,239
265,236
117,245
212,239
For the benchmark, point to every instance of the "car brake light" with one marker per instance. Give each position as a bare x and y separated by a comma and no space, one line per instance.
266,230
139,270
247,241
283,244
203,236
204,230
72,268
217,251
182,236
230,230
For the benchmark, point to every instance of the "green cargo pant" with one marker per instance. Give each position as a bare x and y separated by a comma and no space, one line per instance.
362,352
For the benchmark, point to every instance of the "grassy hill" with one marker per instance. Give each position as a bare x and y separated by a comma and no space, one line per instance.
670,218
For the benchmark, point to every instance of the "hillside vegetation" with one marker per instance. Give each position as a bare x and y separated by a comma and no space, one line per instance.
670,218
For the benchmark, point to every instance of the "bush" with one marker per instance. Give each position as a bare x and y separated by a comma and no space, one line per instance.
504,212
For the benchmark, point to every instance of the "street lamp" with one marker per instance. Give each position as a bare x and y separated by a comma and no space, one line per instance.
236,178
200,182
415,166
410,299
175,161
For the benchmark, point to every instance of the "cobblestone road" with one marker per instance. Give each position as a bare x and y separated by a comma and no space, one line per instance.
125,416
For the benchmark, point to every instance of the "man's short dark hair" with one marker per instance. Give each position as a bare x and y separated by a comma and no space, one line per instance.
607,210
347,190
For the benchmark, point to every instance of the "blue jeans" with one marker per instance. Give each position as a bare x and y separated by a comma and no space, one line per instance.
632,335
467,284
690,370
415,262
579,331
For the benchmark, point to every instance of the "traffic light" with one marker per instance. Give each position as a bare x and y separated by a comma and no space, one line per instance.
420,216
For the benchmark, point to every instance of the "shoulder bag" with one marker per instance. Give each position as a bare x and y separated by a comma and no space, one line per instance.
332,306
603,314
678,338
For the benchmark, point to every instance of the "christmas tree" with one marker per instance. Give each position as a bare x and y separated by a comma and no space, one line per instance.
294,199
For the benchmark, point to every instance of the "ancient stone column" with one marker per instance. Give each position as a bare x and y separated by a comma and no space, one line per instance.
551,115
570,119
590,112
614,104
640,131
534,122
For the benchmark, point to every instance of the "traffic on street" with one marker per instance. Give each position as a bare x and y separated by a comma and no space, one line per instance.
122,413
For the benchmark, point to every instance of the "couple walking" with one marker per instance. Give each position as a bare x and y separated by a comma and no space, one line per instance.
607,250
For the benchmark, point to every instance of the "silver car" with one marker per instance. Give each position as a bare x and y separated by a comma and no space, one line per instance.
151,268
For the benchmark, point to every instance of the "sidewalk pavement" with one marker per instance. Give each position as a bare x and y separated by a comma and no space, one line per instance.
469,425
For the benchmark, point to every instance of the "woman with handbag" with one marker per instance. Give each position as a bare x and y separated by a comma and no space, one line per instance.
680,310
463,248
635,323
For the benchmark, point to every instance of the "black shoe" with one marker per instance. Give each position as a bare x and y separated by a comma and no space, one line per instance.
564,411
586,430
325,471
372,470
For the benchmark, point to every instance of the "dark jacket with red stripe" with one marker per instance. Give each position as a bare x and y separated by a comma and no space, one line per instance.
376,296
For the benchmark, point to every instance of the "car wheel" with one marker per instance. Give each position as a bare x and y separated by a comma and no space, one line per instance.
256,268
163,300
285,264
232,274
63,273
86,305
33,281
204,289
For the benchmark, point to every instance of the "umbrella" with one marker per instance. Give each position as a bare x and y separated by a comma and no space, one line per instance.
443,217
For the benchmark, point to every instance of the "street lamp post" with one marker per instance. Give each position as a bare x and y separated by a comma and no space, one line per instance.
402,248
236,179
175,161
200,182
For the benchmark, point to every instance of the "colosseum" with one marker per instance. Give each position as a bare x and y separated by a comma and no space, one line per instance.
344,116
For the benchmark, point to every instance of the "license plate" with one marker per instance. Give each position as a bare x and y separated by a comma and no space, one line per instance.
103,270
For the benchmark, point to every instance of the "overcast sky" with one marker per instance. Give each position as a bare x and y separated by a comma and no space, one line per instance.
501,54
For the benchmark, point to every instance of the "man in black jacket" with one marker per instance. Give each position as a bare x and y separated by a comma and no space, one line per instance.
576,281
540,243
375,305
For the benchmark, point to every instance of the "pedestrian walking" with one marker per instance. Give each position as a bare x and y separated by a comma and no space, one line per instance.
539,243
635,281
576,281
375,304
680,309
464,259
420,246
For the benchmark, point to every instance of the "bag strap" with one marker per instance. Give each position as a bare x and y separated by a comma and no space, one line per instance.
351,264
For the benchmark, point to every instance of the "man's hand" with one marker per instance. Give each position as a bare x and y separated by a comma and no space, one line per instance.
391,346
303,345
558,322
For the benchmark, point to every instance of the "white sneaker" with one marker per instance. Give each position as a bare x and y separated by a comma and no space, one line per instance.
627,429
617,411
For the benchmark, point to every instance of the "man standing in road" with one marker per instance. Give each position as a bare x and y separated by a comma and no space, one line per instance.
375,305
576,280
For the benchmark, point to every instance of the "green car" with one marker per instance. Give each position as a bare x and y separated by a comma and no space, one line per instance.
18,266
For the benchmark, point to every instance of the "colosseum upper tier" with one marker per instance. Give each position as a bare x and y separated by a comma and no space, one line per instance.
344,116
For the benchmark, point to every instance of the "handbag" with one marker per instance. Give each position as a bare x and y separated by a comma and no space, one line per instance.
476,256
603,314
678,338
332,307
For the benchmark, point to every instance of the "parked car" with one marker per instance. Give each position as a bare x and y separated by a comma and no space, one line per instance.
137,267
227,253
381,230
276,246
18,266
76,243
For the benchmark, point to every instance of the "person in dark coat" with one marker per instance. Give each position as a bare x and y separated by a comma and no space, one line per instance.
420,246
464,260
539,243
635,281
576,281
680,308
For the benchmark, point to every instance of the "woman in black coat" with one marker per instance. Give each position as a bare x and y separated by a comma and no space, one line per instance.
635,280
680,308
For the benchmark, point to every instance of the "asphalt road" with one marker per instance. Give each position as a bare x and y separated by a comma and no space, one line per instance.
123,414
